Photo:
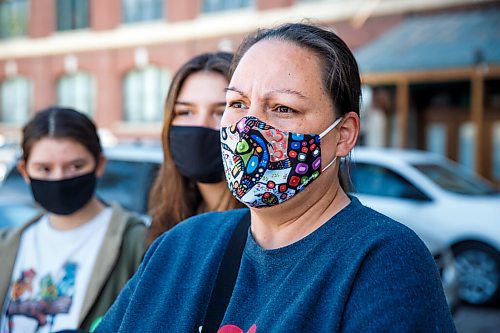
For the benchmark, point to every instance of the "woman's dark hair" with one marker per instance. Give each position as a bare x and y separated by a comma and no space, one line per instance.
173,197
58,122
340,74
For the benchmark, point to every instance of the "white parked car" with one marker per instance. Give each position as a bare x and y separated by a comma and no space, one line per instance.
434,196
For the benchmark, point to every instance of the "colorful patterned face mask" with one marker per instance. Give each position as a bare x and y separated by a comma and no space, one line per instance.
265,166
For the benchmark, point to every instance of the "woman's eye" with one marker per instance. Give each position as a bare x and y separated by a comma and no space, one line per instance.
237,105
76,167
219,113
183,113
43,169
284,109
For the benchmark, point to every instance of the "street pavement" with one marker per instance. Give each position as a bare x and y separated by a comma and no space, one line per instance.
470,319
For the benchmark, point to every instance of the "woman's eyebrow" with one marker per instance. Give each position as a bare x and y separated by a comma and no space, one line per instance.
288,92
77,160
278,91
39,163
236,91
182,103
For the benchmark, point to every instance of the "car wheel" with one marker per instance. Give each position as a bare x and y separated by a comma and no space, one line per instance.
478,269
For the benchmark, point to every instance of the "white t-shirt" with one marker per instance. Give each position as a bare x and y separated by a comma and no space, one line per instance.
51,275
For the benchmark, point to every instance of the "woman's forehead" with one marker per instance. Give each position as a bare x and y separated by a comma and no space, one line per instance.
272,50
48,147
202,85
280,64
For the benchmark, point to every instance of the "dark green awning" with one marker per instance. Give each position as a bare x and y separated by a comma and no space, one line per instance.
451,40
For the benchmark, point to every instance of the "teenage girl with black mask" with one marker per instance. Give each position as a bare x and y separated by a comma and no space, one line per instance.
63,269
191,179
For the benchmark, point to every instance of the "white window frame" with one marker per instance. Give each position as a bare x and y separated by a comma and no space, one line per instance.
214,6
495,160
13,18
144,92
77,91
16,100
142,10
467,145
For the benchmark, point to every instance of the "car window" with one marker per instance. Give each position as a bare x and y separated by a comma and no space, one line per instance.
377,180
14,187
454,179
128,183
15,180
12,214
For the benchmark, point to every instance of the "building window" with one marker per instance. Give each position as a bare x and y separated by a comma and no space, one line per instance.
76,91
144,91
467,145
13,18
141,10
15,101
436,138
313,1
72,14
496,151
210,6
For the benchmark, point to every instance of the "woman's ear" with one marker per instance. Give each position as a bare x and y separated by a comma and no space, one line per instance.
21,167
348,132
101,166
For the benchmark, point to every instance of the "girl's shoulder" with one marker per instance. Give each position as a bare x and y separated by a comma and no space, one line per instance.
6,234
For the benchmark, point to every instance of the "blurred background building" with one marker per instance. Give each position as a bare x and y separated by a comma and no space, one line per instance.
431,68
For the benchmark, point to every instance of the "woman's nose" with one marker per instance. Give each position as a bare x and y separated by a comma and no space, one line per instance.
208,120
258,111
57,173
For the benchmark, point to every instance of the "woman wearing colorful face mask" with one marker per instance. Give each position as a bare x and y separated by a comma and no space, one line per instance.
315,259
63,269
191,179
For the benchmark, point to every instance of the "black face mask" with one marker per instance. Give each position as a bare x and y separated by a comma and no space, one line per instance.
65,196
197,153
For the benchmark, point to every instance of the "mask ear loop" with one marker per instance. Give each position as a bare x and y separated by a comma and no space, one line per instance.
329,164
332,126
325,132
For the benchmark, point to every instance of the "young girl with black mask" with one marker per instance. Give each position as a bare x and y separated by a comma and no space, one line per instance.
191,179
63,269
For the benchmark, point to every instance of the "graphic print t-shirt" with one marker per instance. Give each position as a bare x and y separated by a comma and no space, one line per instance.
51,275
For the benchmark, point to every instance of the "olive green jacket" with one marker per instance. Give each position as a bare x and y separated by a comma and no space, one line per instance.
120,255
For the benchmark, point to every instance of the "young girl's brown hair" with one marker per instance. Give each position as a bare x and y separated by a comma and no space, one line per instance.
173,197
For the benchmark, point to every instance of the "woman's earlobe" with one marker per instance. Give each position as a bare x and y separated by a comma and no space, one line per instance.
21,167
101,166
349,132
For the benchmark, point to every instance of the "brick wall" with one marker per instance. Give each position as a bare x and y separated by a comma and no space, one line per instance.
108,66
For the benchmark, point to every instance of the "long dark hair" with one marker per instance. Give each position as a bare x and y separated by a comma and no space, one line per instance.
58,122
340,74
173,197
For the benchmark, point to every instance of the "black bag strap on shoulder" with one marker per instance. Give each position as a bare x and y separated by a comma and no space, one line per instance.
226,277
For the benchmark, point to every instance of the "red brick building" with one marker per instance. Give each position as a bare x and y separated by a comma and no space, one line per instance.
113,59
